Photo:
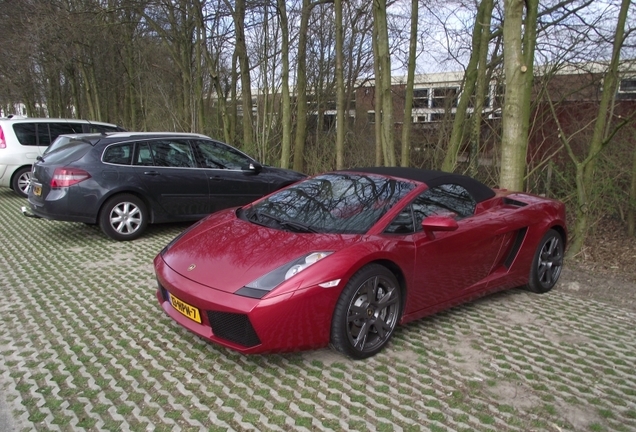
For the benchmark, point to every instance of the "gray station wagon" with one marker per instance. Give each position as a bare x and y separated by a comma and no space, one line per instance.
126,180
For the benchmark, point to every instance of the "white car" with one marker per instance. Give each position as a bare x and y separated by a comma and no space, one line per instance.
23,139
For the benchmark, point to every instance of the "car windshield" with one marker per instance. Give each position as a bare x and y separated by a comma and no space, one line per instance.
342,203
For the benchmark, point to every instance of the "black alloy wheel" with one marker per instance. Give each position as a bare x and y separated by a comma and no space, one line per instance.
123,217
547,263
367,312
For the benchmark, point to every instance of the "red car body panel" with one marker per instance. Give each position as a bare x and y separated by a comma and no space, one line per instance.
491,250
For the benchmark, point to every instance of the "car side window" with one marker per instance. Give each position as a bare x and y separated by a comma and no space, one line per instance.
403,222
93,128
32,134
120,154
143,156
216,155
172,153
443,199
58,129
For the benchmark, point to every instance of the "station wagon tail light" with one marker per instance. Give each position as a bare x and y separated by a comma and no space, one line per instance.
65,177
3,142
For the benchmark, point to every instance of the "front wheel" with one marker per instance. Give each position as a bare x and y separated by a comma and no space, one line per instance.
123,217
366,313
22,181
547,264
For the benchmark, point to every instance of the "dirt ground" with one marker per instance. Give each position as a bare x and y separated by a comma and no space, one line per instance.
605,270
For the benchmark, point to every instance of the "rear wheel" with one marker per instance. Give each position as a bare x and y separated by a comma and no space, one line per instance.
123,217
547,264
367,312
21,181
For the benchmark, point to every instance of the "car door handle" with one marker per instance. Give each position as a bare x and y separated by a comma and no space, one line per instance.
151,173
216,178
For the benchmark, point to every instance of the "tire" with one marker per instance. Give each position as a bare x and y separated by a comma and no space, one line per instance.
123,217
21,181
361,328
547,263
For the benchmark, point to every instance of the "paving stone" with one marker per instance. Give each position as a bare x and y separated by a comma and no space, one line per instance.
84,345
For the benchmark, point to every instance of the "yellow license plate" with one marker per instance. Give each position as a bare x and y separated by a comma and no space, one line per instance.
37,190
185,309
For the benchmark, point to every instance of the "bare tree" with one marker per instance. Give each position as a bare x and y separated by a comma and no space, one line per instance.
285,157
238,13
340,86
601,137
519,32
408,102
383,82
476,69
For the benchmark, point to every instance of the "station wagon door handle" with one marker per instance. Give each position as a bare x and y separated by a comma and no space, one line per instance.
151,173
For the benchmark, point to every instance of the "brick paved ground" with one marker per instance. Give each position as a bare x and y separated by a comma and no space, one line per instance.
84,345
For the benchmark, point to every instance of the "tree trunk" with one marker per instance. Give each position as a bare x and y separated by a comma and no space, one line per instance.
482,27
585,170
340,88
518,67
378,101
285,158
631,212
199,94
482,89
301,89
410,79
88,94
383,82
234,100
244,67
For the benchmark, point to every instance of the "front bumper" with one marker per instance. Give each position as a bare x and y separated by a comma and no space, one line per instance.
290,322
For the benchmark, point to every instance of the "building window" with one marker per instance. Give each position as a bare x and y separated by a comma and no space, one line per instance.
440,116
627,85
444,97
496,99
420,98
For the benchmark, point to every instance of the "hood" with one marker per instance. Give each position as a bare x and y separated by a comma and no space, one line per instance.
226,253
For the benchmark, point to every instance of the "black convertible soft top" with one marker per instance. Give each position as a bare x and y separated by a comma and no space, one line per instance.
479,191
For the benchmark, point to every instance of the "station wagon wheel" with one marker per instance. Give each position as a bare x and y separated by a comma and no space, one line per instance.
547,263
123,217
22,181
366,313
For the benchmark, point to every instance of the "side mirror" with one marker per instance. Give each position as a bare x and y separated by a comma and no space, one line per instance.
438,223
253,167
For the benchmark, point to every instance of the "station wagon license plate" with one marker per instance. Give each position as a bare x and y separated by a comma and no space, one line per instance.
185,309
37,189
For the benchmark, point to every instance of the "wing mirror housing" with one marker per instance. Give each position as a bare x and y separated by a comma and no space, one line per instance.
432,224
253,168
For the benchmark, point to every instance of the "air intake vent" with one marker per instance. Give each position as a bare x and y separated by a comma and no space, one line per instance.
513,202
521,235
233,327
164,293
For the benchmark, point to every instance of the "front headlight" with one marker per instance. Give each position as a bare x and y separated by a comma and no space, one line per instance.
264,284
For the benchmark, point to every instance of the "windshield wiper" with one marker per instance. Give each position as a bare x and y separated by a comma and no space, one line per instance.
257,217
298,226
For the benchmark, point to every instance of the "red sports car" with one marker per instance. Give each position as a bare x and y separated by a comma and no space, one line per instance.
342,258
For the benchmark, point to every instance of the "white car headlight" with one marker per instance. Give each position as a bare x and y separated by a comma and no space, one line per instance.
264,284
